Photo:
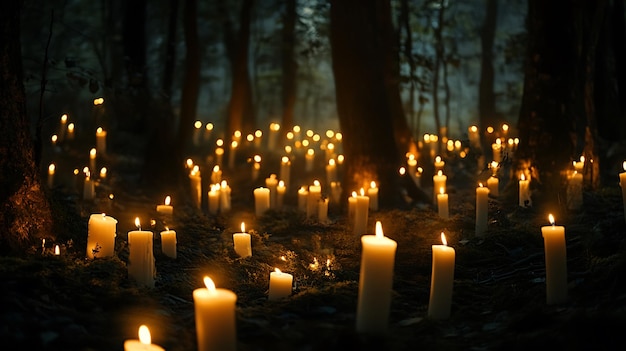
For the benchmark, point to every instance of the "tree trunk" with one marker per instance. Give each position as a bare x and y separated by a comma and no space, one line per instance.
170,51
486,96
25,216
362,103
191,80
290,65
134,37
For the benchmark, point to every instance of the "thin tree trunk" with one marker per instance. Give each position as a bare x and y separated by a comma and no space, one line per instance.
436,68
170,52
290,65
486,96
191,80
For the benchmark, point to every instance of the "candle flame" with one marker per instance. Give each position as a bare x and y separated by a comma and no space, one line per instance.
331,162
362,192
440,173
281,183
64,118
197,124
216,168
441,191
99,130
373,184
480,184
438,159
243,227
277,270
379,230
57,250
168,200
285,159
209,283
624,165
144,335
354,194
137,223
316,182
51,168
582,159
473,129
92,152
551,219
443,239
523,177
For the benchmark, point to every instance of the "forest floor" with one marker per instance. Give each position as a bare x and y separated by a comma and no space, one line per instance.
68,302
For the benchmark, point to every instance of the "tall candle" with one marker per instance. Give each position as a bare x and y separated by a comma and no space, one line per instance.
89,187
51,170
225,199
285,170
62,127
215,318
101,141
524,192
375,282
574,194
309,160
622,184
331,171
361,213
216,175
442,204
214,198
141,257
439,181
196,133
315,193
231,154
271,183
101,235
303,198
474,137
280,194
144,343
242,243
280,285
261,200
322,210
196,185
351,205
372,192
482,209
556,262
168,242
92,159
442,279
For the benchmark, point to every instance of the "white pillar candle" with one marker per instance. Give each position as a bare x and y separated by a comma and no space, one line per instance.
261,200
351,205
303,198
442,204
101,236
89,187
285,170
271,183
216,175
225,198
439,164
214,198
71,131
524,192
556,262
574,196
474,137
439,181
335,192
331,171
372,192
166,208
51,170
315,193
195,180
62,127
375,282
231,154
144,343
281,189
197,125
309,160
141,256
322,210
280,285
361,213
168,242
101,141
622,184
92,159
441,281
493,184
242,243
482,209
215,318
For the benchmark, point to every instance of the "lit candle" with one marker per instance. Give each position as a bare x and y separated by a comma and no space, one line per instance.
197,125
375,282
195,179
272,138
168,242
208,128
70,131
225,197
493,183
556,262
442,204
352,205
439,181
482,209
261,200
372,192
141,257
216,175
496,149
51,169
219,155
144,343
89,187
62,127
442,279
101,236
335,192
280,285
166,209
322,210
524,192
280,194
103,173
214,198
331,171
215,318
309,160
92,159
439,164
622,184
474,137
285,170
57,250
101,140
231,154
361,213
315,193
272,183
574,194
242,243
303,197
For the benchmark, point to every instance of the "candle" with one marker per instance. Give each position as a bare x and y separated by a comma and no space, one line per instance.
70,131
271,183
216,175
439,181
225,197
482,209
208,128
474,137
243,246
496,149
303,197
331,171
101,140
375,282
352,205
442,204
335,192
439,164
493,183
196,133
141,258
166,209
62,127
89,187
315,193
196,185
322,210
372,192
215,318
92,159
231,154
556,262
579,166
219,155
524,192
103,173
285,170
361,213
280,285
261,200
574,194
168,242
442,279
144,343
622,184
309,160
101,235
51,169
280,194
214,198
273,136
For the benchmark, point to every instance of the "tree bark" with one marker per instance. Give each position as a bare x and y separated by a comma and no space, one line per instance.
25,216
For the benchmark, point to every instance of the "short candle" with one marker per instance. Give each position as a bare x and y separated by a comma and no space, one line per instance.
280,285
242,243
144,343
